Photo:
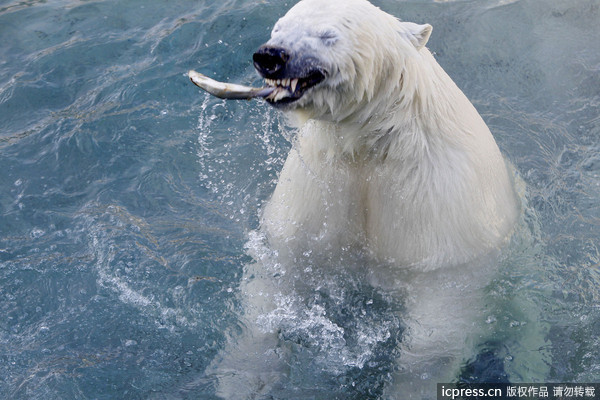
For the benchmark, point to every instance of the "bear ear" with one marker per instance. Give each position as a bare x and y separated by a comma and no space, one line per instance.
417,34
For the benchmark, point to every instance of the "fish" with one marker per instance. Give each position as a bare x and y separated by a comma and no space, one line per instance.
229,91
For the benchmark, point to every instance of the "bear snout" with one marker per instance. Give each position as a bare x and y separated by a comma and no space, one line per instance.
270,61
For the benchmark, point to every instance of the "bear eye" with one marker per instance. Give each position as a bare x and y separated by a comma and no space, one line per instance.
329,37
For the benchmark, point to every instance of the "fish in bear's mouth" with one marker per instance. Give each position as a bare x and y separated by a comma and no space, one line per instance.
276,92
287,78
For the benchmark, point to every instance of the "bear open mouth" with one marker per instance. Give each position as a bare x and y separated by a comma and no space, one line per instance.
289,90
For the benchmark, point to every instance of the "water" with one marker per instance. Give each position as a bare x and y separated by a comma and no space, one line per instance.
127,199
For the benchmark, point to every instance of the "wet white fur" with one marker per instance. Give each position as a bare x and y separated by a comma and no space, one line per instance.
393,156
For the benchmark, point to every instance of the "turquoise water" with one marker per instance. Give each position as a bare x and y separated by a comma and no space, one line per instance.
127,198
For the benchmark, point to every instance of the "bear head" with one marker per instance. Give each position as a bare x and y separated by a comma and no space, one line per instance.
331,59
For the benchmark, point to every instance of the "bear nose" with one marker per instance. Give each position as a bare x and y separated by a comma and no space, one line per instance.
270,60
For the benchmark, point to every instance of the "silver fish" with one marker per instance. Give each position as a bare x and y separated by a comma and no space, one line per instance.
228,90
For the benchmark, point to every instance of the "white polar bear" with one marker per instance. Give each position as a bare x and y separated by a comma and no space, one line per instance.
394,157
391,158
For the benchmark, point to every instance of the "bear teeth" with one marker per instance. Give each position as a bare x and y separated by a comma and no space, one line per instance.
290,84
278,94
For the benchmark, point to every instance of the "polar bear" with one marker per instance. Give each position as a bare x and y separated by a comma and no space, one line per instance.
390,158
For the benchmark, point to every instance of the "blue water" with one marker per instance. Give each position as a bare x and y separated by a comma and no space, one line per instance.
127,197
